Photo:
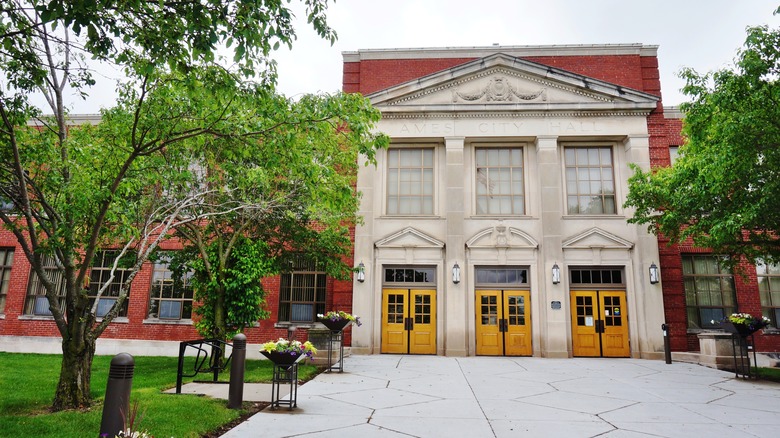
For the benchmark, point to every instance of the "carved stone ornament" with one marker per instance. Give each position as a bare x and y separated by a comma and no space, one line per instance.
498,89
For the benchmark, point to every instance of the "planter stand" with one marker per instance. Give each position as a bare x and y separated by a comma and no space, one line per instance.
335,351
284,375
335,344
741,346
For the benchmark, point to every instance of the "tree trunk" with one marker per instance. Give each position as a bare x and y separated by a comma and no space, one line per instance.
73,389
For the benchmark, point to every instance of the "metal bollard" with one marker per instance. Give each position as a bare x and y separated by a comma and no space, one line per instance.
238,358
667,346
117,402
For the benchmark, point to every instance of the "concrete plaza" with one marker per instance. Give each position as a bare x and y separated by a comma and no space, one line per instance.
434,396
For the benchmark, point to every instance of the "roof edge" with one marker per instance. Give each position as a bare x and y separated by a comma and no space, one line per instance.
516,51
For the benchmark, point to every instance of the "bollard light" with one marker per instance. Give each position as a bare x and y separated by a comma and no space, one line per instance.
117,402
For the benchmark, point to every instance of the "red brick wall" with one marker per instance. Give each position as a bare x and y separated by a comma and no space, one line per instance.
748,298
338,293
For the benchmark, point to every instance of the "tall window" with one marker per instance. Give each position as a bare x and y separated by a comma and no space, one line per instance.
410,181
6,260
769,290
499,176
171,294
709,291
302,292
36,302
99,275
590,183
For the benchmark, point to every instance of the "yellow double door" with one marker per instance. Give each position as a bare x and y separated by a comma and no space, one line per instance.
599,324
503,325
409,321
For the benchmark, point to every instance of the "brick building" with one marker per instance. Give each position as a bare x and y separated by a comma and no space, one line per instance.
493,225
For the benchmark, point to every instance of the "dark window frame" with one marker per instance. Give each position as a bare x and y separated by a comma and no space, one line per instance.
35,302
302,292
701,316
6,264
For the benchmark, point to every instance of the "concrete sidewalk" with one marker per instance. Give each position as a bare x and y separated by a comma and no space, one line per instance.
433,396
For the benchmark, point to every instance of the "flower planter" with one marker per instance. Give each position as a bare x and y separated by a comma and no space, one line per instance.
742,330
282,358
335,326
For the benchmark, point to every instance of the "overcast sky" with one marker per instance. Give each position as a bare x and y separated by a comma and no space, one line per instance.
704,35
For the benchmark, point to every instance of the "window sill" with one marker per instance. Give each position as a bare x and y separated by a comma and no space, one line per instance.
411,216
120,319
301,325
594,216
504,216
167,321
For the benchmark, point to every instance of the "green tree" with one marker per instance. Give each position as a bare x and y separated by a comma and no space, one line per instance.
722,192
296,174
75,191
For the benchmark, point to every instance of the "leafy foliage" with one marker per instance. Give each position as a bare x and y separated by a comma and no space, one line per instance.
128,181
722,191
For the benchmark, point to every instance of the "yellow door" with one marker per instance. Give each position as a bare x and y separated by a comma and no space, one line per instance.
489,337
599,324
422,331
394,310
614,338
503,326
517,325
409,321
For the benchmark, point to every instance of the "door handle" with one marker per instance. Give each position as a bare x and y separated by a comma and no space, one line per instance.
502,325
599,326
408,324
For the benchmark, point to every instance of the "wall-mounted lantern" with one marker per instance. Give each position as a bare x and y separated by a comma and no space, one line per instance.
556,274
361,272
456,273
655,275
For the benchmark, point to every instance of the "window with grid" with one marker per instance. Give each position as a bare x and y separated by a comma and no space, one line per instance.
36,302
590,183
171,295
709,291
302,292
410,181
499,179
769,290
6,260
100,273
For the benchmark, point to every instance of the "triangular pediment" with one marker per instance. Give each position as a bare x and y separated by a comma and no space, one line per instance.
409,238
501,236
597,238
504,83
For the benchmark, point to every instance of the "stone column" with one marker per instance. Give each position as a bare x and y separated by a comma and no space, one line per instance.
552,322
454,297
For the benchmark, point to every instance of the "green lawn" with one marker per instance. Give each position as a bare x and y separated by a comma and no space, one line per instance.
27,383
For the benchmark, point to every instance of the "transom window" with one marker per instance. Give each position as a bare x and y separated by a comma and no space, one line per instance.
769,290
302,292
510,276
100,273
171,294
590,182
6,260
591,276
410,181
410,275
709,291
499,179
36,302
